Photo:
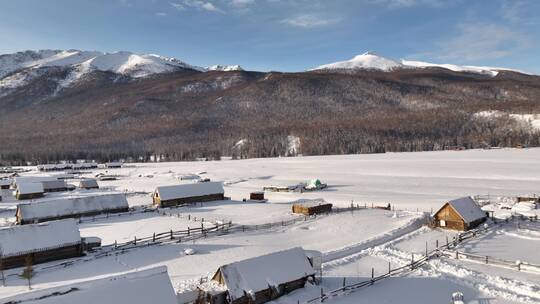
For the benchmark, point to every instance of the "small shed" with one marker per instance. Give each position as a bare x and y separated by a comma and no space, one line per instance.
55,185
42,242
110,165
5,183
137,287
262,279
29,191
167,196
74,207
528,199
460,214
88,183
311,207
257,196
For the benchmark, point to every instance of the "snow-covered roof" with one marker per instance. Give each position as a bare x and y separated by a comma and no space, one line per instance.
5,182
71,206
189,190
29,188
23,239
54,184
33,179
140,287
258,273
88,183
467,208
311,202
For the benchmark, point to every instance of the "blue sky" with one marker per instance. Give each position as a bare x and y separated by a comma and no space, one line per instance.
282,35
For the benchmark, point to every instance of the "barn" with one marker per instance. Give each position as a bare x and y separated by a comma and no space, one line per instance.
43,242
57,185
262,279
73,207
311,207
5,183
88,183
32,179
167,196
460,214
29,191
137,287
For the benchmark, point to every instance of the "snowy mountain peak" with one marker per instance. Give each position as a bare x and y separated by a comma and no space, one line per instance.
365,61
225,68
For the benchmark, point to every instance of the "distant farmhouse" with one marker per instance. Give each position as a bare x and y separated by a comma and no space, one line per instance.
54,185
140,287
29,191
261,279
75,207
42,242
88,183
5,183
167,196
460,214
311,207
110,165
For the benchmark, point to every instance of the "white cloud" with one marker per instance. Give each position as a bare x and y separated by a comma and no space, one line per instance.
241,3
196,4
476,41
309,21
409,3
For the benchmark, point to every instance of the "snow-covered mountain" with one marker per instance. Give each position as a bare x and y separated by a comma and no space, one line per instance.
366,61
21,68
225,68
372,61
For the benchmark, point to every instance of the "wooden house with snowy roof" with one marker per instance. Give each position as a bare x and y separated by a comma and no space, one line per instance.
88,183
29,191
168,196
5,183
43,242
137,287
72,207
261,279
460,214
311,206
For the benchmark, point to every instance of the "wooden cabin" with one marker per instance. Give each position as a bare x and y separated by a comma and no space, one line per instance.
42,242
88,183
29,191
311,207
460,214
257,196
73,207
261,279
168,196
528,199
135,287
111,165
5,183
55,185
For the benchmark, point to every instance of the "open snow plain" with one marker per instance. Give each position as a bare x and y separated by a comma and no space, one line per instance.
352,242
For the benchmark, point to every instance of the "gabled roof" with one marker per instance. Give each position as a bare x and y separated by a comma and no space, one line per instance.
140,287
71,206
189,190
54,184
19,240
5,182
88,183
29,188
32,179
467,208
259,273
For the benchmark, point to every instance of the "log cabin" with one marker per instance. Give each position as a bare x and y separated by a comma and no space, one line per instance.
29,191
460,214
41,242
311,207
168,196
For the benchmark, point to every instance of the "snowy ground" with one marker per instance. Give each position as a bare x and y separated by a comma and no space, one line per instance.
352,242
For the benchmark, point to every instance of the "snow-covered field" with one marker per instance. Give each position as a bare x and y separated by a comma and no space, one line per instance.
352,242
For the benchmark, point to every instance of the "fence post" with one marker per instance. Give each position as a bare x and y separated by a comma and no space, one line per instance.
426,249
447,246
372,274
487,261
389,268
412,260
344,282
437,244
457,255
135,240
171,234
188,231
115,244
154,237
